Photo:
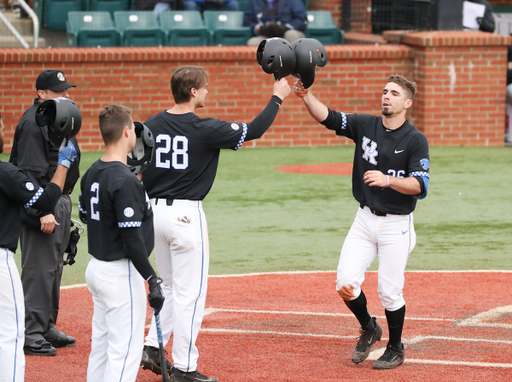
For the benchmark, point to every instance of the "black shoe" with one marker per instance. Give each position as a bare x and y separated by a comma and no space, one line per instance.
60,340
391,358
151,360
16,8
365,343
41,348
182,376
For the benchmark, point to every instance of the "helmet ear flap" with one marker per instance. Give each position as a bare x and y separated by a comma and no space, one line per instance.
142,155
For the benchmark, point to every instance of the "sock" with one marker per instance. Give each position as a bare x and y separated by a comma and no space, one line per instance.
395,326
358,307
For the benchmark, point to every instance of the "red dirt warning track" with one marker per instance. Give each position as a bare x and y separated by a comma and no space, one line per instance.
319,169
294,327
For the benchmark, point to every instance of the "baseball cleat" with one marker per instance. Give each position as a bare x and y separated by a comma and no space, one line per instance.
191,376
391,358
151,360
365,343
40,348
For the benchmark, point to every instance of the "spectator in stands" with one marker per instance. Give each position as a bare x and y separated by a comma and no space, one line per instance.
486,23
210,5
158,6
275,18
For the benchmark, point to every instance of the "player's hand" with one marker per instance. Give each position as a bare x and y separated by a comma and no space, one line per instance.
347,292
282,88
298,89
48,223
375,178
67,155
155,297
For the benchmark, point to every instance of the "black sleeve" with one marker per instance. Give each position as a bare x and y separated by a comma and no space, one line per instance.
136,250
331,121
264,120
487,24
48,199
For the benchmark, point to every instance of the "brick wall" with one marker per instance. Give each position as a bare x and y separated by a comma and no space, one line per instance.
468,110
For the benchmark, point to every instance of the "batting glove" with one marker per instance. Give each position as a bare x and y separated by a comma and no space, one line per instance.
155,297
67,155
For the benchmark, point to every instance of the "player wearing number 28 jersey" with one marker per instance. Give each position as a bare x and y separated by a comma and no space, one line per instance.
187,150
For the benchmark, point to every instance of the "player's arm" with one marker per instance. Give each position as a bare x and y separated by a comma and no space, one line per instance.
136,250
264,120
407,186
317,109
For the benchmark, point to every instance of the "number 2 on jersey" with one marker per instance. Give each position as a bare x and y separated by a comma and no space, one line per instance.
95,189
179,157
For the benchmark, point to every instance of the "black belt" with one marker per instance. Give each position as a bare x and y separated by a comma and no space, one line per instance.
375,212
168,201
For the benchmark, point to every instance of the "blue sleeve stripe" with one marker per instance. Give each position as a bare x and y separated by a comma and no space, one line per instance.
80,207
242,138
34,198
421,174
343,121
129,224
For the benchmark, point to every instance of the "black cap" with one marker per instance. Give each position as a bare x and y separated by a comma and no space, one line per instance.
53,80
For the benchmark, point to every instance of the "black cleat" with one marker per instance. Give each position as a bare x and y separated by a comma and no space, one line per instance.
391,358
40,348
60,340
365,343
192,376
151,360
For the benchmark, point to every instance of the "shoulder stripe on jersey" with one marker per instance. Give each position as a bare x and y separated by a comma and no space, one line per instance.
81,209
423,174
129,224
242,138
34,198
343,121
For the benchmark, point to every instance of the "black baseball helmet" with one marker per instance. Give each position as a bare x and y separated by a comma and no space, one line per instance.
309,54
63,118
275,55
142,155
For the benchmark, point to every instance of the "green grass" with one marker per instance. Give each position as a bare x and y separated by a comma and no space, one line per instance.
262,220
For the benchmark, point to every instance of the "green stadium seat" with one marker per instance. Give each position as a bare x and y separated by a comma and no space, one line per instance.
91,29
321,27
226,27
108,5
184,28
138,28
242,4
55,12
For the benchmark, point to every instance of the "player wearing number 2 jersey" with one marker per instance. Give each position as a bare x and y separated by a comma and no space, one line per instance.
391,171
187,150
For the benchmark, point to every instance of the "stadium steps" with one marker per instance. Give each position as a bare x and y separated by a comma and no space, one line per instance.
24,28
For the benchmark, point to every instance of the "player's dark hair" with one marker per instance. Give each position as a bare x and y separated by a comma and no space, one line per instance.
186,78
408,86
113,119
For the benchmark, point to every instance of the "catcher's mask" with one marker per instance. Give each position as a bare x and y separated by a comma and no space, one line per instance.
62,117
309,53
275,55
140,158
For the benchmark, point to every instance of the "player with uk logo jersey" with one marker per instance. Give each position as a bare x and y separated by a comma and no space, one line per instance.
390,173
119,220
187,150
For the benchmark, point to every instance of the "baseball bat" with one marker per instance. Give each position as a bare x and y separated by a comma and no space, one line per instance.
163,363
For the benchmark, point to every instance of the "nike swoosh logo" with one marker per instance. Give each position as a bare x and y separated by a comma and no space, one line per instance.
370,340
398,152
404,232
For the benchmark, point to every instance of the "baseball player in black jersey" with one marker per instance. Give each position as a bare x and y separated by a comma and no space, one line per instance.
187,150
17,192
391,171
119,219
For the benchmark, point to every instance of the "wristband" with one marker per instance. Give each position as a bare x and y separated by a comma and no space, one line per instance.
387,182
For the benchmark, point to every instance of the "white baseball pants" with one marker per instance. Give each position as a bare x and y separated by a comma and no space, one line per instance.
392,238
119,297
12,321
182,258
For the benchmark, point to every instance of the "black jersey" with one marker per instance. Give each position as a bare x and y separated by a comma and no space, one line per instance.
401,153
113,198
16,192
187,152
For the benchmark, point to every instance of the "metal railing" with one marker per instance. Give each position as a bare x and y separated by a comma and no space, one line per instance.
14,31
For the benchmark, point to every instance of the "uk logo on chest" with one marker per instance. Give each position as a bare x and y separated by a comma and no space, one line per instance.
370,152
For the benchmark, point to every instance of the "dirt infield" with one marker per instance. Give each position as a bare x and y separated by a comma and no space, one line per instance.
294,327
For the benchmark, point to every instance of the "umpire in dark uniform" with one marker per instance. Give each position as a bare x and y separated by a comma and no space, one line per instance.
44,237
16,192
